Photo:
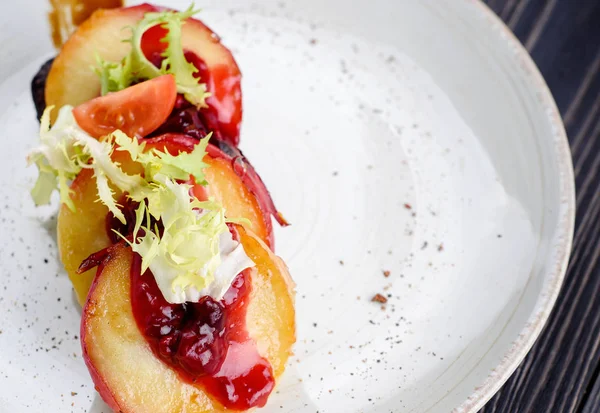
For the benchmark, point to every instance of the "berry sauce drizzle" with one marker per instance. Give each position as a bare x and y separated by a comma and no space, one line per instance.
206,343
222,115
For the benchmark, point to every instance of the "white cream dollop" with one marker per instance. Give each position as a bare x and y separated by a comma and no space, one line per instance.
233,259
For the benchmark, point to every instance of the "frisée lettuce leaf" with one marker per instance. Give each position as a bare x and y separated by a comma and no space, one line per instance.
65,149
186,253
134,67
182,240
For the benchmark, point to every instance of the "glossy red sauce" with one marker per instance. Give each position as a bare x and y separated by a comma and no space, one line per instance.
206,342
223,113
223,116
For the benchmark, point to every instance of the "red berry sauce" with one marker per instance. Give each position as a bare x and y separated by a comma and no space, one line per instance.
206,343
223,114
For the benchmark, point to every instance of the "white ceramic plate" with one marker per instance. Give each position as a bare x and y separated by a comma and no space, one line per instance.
415,137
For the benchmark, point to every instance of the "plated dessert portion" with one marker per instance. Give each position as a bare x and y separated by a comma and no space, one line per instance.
164,227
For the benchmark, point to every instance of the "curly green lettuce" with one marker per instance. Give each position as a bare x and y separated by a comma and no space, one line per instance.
115,76
186,254
194,253
64,150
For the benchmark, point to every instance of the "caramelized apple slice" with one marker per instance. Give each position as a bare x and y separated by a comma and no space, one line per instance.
271,317
83,232
72,81
229,175
127,374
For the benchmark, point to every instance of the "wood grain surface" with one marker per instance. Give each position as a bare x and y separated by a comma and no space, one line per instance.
562,371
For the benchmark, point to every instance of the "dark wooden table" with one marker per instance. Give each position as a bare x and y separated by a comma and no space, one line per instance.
562,371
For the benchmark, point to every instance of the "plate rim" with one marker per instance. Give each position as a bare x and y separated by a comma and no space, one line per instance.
560,249
559,252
